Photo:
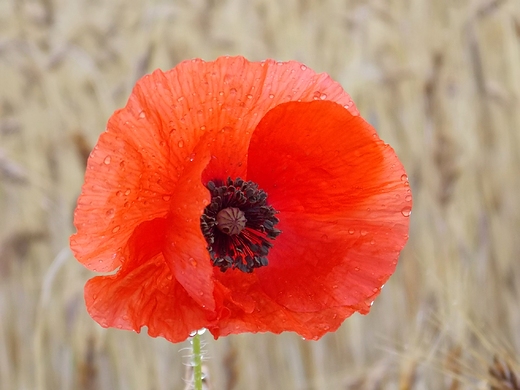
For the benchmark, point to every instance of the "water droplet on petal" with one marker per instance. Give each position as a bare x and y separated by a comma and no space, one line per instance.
180,144
233,91
127,192
271,96
408,198
323,96
166,198
107,160
249,96
351,231
116,229
142,114
110,213
404,177
375,289
303,67
406,211
364,232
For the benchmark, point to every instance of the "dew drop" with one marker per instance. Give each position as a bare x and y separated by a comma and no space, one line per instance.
180,99
193,333
116,229
406,211
372,242
221,93
110,213
375,289
404,177
249,96
203,128
233,91
271,96
323,96
180,144
351,231
356,269
408,198
364,232
119,193
107,160
142,114
166,198
127,192
303,67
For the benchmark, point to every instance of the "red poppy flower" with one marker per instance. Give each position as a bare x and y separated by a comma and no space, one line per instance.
239,197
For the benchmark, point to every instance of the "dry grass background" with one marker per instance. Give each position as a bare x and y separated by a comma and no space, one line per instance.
439,79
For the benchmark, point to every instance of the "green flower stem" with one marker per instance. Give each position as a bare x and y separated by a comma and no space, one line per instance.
197,362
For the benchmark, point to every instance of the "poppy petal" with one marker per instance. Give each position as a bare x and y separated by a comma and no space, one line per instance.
144,291
343,200
252,310
185,246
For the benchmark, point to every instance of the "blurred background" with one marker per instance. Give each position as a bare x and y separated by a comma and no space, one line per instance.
440,80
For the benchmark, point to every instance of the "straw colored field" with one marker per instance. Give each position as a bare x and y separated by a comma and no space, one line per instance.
440,80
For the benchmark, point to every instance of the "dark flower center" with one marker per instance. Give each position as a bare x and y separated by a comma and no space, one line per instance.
238,225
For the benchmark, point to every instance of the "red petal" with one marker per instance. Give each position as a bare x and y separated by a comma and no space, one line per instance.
344,203
251,310
144,291
185,247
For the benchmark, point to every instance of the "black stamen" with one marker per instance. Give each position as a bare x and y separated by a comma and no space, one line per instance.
238,225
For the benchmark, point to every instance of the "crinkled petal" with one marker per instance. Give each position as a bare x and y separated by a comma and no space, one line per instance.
344,202
252,310
144,292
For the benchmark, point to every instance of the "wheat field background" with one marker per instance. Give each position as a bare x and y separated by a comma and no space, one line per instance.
440,80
